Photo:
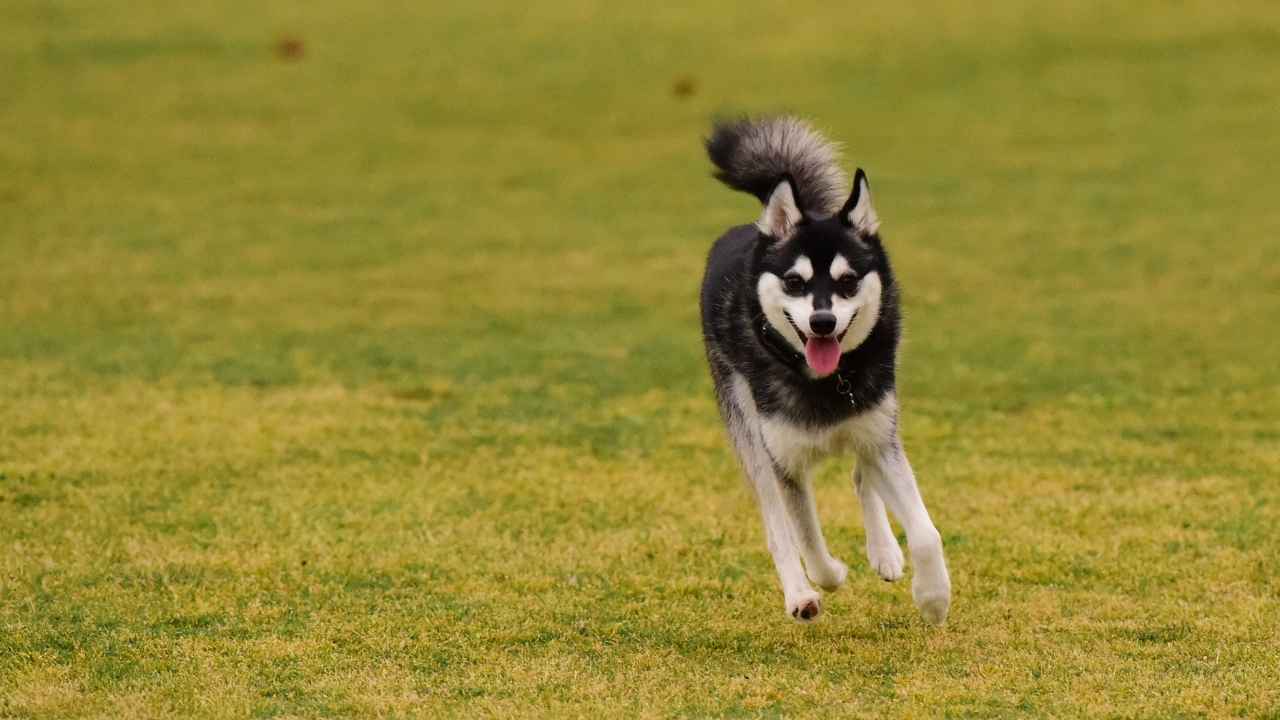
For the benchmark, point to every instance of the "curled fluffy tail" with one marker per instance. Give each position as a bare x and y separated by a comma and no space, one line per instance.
754,155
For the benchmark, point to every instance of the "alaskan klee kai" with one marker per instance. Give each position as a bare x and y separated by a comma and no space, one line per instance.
801,321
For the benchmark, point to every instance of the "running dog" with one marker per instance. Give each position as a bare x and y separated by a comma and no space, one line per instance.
801,321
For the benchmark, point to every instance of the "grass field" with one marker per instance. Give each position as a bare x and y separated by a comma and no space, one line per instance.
350,366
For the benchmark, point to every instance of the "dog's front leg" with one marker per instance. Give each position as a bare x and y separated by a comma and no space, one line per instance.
802,601
743,421
891,477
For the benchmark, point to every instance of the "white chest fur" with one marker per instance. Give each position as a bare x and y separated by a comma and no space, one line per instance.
796,447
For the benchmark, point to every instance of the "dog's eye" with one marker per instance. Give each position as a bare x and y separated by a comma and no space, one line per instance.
847,285
793,284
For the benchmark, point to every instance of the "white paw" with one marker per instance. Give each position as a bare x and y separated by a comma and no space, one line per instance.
886,559
830,574
931,585
805,607
933,604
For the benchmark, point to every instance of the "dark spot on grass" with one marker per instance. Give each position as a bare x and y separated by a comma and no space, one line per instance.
289,48
684,87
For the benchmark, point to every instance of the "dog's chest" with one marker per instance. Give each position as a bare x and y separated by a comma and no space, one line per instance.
795,447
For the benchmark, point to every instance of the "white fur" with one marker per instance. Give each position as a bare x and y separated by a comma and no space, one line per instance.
863,215
889,474
803,267
883,553
839,266
796,447
866,304
780,214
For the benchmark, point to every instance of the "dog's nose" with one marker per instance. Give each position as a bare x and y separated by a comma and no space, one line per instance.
823,322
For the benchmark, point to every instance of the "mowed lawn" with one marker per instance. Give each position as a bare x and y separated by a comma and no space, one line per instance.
350,362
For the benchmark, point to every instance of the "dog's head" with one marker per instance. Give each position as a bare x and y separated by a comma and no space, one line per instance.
819,279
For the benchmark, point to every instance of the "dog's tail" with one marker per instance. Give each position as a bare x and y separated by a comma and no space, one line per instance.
755,154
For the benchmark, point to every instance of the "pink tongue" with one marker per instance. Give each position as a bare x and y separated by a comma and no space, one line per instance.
823,355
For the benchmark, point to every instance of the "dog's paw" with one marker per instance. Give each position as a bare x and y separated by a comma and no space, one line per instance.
805,607
830,574
886,559
933,604
931,584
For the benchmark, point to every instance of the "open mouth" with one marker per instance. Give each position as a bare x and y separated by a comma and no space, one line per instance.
821,352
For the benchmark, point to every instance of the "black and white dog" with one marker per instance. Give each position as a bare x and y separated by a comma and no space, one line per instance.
801,321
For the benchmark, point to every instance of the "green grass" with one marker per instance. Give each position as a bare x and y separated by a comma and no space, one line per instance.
369,383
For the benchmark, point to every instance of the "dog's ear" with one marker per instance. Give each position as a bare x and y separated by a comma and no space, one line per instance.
781,214
858,213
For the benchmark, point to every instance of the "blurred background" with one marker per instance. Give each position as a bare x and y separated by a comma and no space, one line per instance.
350,364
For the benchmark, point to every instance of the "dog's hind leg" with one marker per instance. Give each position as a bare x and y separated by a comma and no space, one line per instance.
889,474
882,546
825,570
802,601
